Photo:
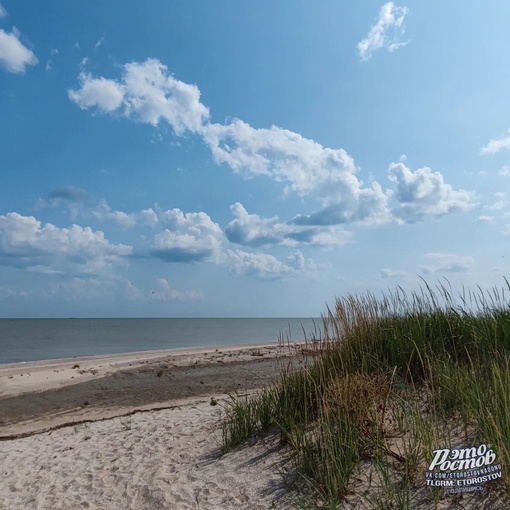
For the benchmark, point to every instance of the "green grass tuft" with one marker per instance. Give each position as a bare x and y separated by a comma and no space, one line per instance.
391,379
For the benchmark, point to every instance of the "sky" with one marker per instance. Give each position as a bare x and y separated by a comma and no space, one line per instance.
249,159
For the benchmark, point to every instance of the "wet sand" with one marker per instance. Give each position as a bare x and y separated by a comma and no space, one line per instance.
40,396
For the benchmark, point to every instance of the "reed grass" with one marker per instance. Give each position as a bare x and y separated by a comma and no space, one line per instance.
392,378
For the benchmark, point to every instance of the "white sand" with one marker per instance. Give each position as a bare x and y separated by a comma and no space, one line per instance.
166,459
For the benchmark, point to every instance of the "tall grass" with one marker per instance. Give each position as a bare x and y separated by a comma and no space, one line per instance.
393,378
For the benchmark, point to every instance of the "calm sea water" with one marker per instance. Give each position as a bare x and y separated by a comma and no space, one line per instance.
38,339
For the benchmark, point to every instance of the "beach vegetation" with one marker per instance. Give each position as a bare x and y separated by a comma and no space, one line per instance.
388,381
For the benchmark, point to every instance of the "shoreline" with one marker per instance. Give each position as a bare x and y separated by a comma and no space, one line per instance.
47,374
151,353
49,394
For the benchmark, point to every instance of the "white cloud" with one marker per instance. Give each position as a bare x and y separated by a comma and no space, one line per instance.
266,266
447,263
391,18
15,57
299,262
25,242
188,237
505,171
496,145
253,230
3,12
424,194
484,219
283,155
304,165
149,217
262,265
106,95
148,93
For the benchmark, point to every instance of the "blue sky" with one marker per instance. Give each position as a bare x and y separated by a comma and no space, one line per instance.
248,159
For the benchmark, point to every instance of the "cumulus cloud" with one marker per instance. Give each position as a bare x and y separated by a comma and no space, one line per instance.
386,32
446,263
106,95
266,266
25,242
283,155
262,265
253,230
424,194
496,145
14,56
146,92
3,12
187,237
305,166
299,262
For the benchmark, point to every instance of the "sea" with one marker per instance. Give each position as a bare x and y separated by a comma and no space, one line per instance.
23,340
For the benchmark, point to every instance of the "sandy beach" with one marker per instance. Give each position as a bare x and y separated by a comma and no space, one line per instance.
135,431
